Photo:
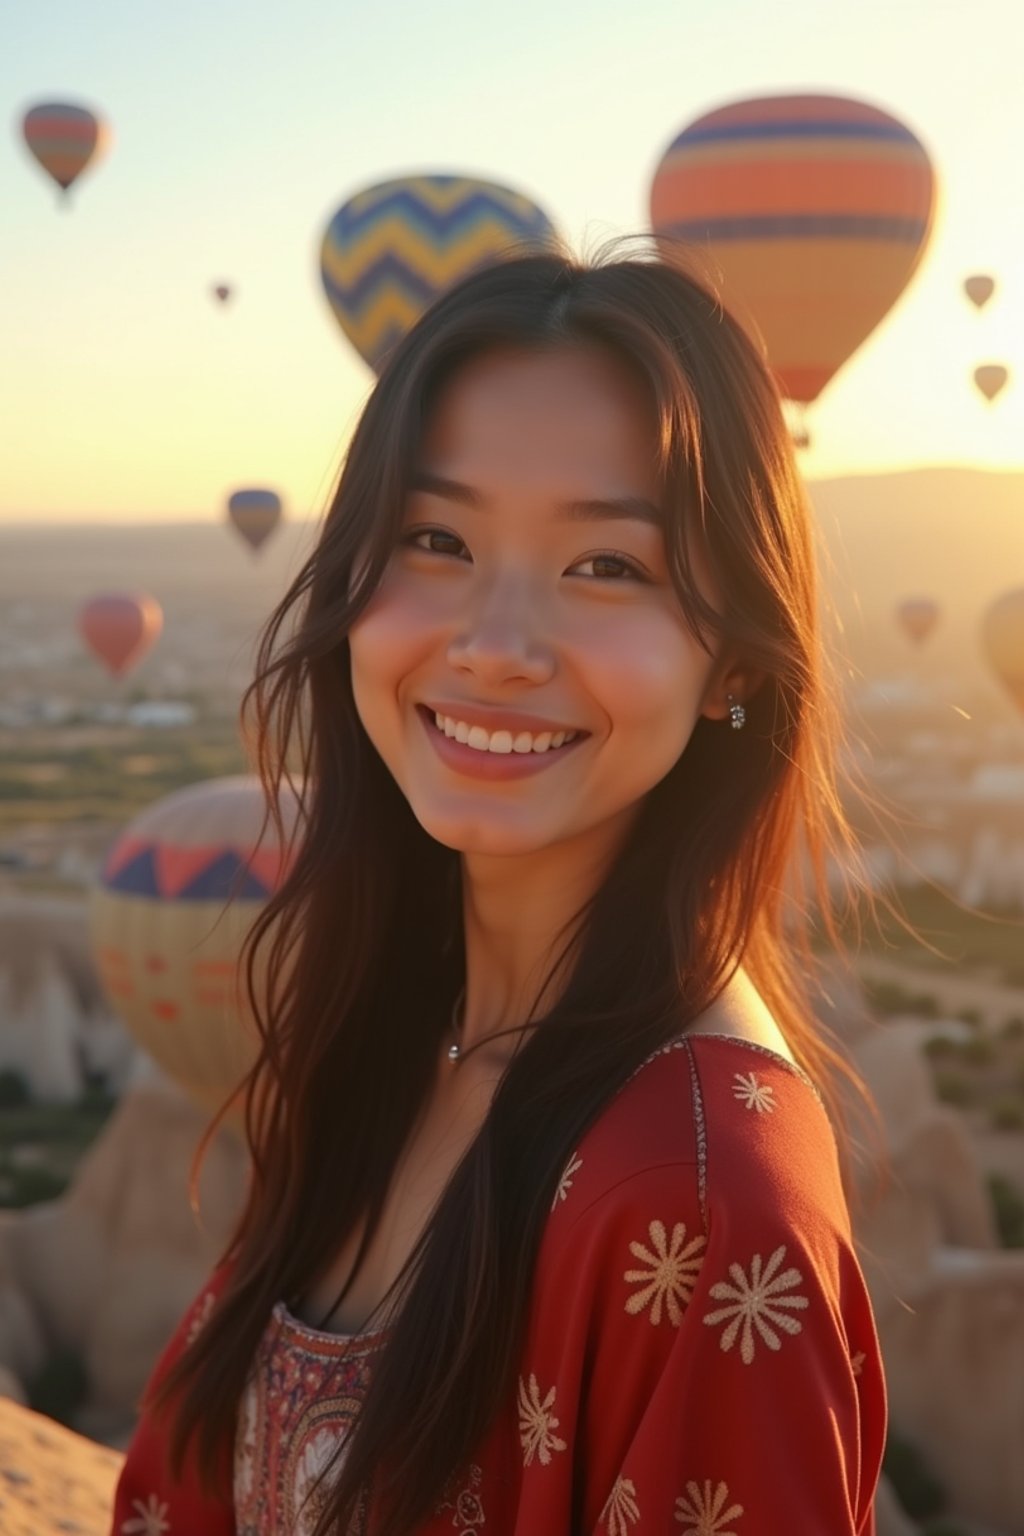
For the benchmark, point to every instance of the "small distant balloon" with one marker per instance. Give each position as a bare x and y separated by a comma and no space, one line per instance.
1002,635
64,139
222,292
255,513
801,437
917,617
120,628
391,250
979,289
990,379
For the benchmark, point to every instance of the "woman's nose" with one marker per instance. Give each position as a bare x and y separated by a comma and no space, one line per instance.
504,634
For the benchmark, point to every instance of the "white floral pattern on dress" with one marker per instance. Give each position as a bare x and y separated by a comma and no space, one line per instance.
151,1520
621,1507
670,1278
757,1301
857,1362
704,1510
755,1095
537,1423
312,1482
565,1182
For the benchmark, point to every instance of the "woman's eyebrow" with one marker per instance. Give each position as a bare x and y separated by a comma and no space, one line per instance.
592,509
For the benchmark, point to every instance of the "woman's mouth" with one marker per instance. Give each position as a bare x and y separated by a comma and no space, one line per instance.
499,754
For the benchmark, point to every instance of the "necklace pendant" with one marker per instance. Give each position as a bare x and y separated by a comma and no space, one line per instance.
453,1053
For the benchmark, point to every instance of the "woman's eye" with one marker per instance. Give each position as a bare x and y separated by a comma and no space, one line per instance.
626,568
433,533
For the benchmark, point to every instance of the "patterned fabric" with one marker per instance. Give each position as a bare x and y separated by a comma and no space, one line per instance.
700,1355
301,1398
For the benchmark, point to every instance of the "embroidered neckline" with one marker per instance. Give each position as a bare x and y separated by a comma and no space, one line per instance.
288,1320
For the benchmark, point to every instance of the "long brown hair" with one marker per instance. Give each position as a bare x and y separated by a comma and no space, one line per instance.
728,861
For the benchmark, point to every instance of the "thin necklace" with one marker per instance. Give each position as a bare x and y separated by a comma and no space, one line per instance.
455,1050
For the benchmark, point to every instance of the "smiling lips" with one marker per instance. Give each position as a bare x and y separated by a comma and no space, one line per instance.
494,720
496,752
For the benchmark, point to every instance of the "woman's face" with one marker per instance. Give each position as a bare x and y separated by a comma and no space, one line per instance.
501,610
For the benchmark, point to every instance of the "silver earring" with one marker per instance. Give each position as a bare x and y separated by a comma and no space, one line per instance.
737,714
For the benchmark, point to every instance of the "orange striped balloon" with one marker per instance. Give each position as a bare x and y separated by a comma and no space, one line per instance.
64,139
811,213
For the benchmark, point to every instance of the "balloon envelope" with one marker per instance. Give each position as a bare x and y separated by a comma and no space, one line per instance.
813,212
255,513
1002,634
979,289
917,617
121,628
395,247
222,292
64,138
990,379
179,891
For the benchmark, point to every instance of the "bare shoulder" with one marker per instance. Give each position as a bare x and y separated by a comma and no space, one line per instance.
740,1010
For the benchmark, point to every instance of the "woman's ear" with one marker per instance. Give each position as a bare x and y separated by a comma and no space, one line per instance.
742,682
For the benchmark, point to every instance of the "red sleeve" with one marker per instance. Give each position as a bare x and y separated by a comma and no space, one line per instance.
737,1384
146,1500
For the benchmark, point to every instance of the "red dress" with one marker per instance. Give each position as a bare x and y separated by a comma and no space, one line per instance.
701,1355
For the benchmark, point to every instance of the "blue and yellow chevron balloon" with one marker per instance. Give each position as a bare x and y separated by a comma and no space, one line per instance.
394,248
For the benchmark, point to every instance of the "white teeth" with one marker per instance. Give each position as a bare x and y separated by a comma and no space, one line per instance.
501,741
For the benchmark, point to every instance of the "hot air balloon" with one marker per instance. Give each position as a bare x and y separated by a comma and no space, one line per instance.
255,513
917,617
1002,635
990,379
121,628
64,139
395,247
810,215
979,289
222,292
179,890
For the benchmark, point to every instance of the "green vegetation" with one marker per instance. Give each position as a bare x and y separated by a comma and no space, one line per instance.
1007,1115
14,1089
60,1387
988,941
40,1144
954,1088
979,1052
886,997
1009,1210
941,1047
913,1482
79,778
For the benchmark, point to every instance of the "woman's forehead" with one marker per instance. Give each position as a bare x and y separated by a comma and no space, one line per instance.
575,412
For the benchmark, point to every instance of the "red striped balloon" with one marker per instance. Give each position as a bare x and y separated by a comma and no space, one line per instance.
811,213
64,139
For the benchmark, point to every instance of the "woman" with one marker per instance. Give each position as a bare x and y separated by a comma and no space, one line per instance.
547,1230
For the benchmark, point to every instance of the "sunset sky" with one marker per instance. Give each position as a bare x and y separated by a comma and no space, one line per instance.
240,126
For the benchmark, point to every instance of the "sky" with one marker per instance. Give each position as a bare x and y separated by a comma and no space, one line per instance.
127,394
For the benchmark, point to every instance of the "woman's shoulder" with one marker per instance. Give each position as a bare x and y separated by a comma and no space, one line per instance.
708,1119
